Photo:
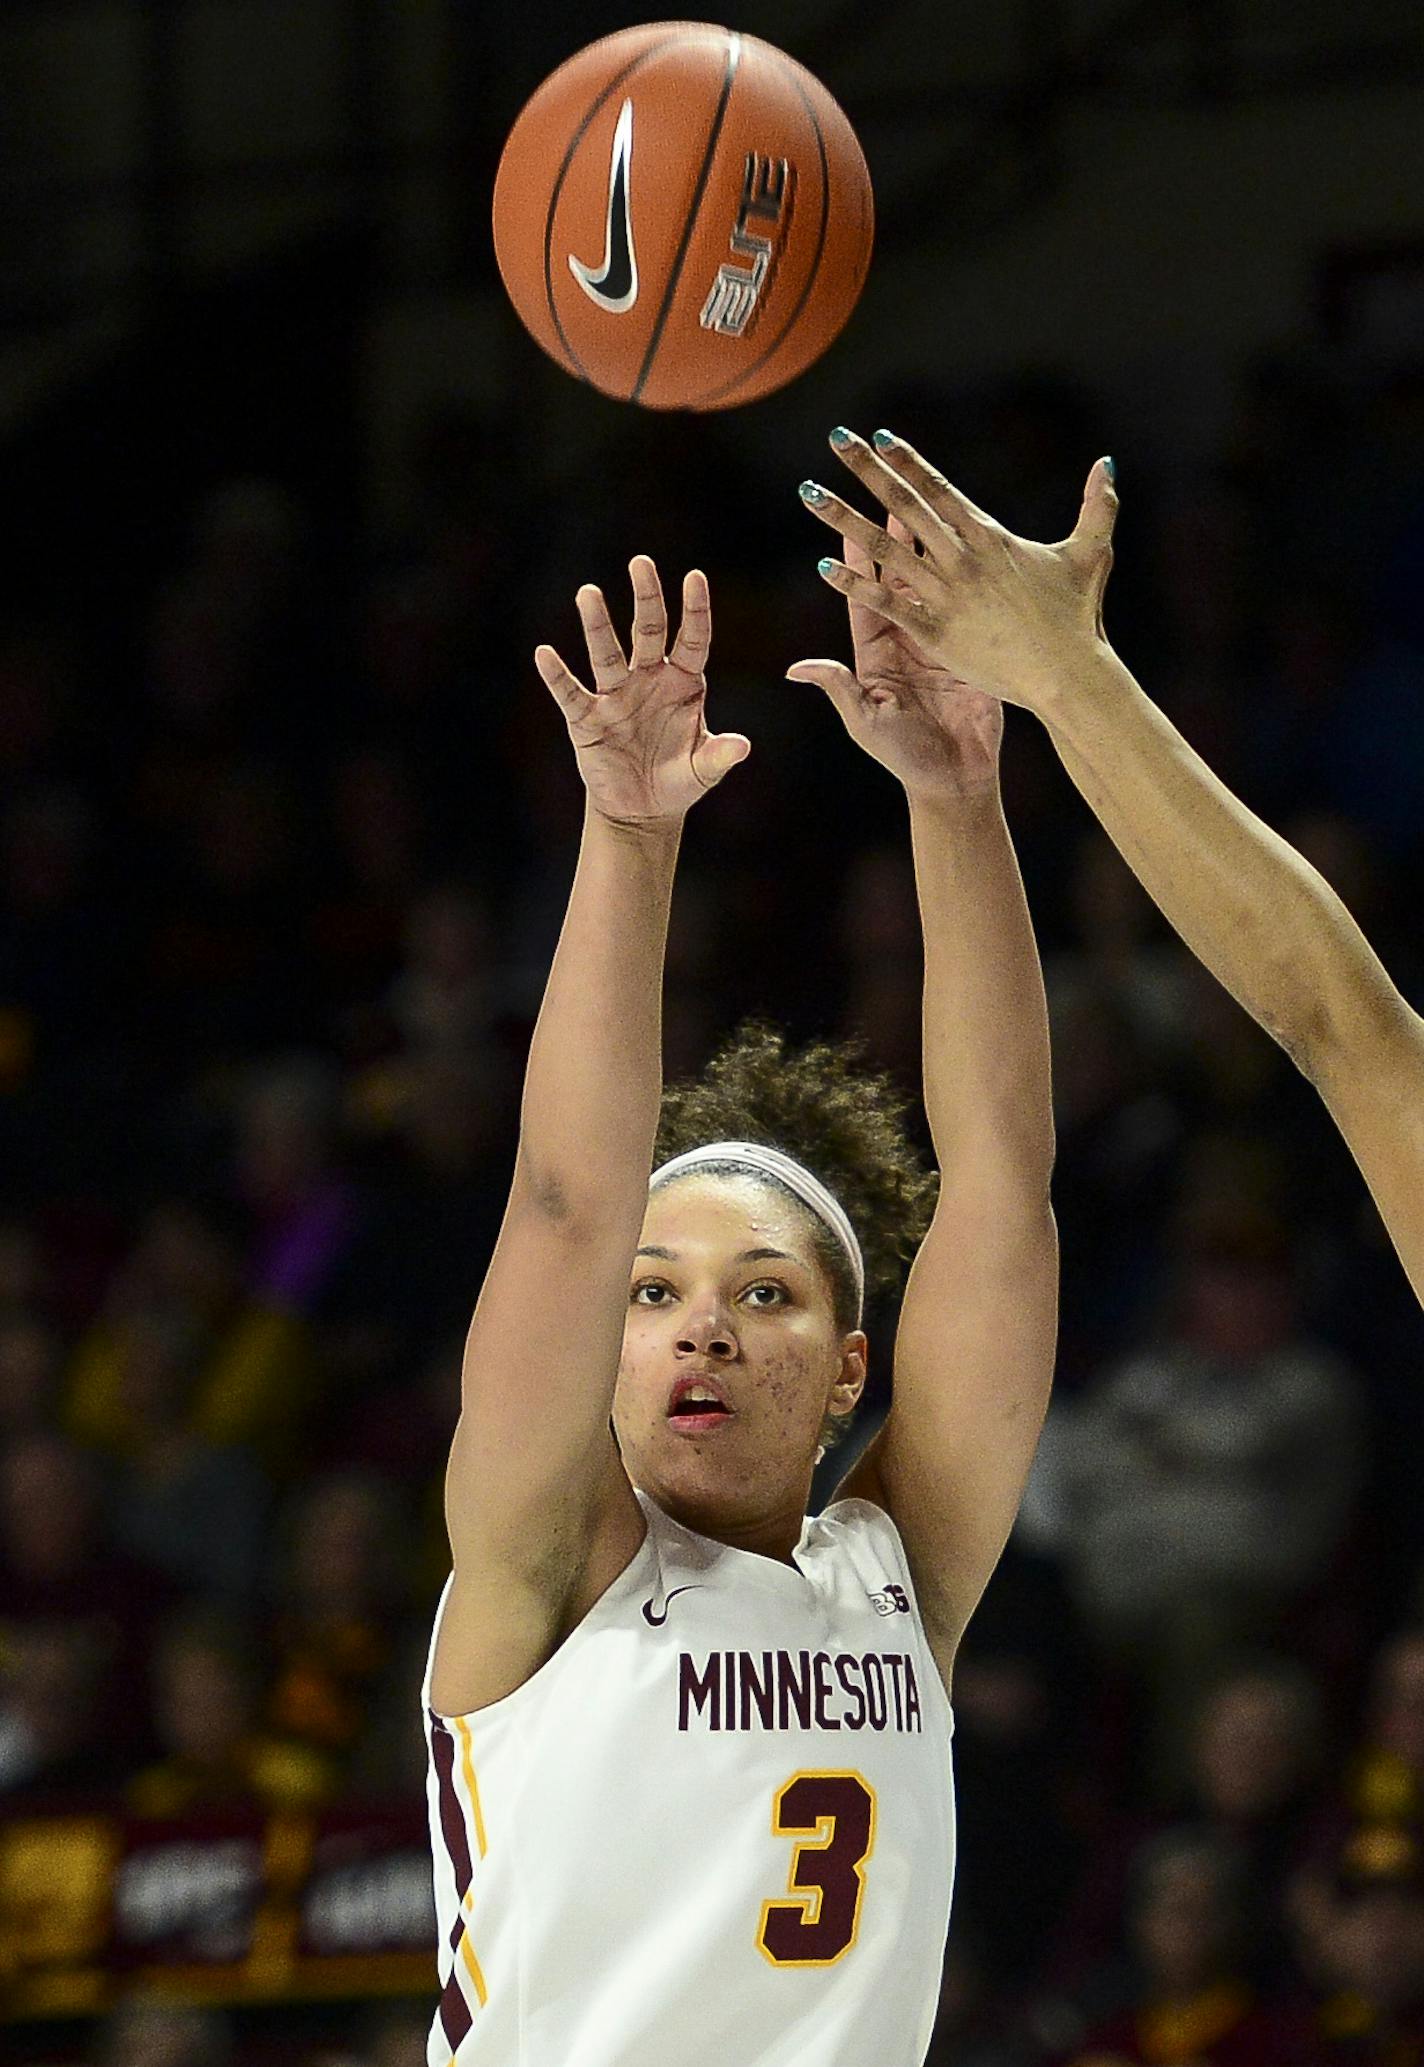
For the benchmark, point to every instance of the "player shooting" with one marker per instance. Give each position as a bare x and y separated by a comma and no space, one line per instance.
1023,622
690,1783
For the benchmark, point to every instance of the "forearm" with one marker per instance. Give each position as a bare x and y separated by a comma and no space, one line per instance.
988,1092
1265,922
594,1078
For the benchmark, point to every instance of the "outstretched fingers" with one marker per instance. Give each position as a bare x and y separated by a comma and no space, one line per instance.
856,557
649,613
876,543
694,636
949,504
604,651
900,604
888,487
859,562
568,690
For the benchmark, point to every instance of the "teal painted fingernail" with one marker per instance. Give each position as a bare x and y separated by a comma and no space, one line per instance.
824,566
840,435
883,441
809,491
1111,465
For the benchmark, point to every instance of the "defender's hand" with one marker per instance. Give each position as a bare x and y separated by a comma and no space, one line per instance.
1004,615
644,752
928,728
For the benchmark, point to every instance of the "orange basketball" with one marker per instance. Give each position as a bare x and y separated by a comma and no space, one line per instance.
683,216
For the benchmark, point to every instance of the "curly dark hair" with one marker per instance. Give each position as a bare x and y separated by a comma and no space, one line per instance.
844,1122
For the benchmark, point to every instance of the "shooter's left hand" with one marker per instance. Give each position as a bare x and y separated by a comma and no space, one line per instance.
938,736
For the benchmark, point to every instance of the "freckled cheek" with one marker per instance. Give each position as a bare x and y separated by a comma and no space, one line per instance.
636,1393
785,1388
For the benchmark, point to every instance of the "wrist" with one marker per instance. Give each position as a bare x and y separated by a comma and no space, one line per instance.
959,809
646,832
1078,694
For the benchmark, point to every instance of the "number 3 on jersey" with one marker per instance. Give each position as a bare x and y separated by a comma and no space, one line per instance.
835,1814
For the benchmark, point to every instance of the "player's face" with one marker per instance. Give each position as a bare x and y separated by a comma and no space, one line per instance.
726,1286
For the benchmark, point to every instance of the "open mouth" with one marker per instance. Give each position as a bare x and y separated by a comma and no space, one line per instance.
697,1406
699,1417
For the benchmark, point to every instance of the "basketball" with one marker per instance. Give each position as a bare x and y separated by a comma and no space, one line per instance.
683,216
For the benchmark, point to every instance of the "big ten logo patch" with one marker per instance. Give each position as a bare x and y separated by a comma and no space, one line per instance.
768,188
890,1601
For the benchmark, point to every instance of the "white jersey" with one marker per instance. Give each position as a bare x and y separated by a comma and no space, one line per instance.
717,1825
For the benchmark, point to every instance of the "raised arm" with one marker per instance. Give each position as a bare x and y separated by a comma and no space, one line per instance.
1267,925
1023,622
978,1325
534,1474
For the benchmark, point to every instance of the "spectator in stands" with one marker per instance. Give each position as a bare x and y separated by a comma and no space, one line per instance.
254,1374
402,1430
1209,1476
371,871
388,1761
1253,1782
1385,1781
55,1751
1371,1952
60,1567
1190,2003
446,995
339,1591
968,2024
1019,1685
1118,951
206,1705
1382,1783
302,1209
143,2033
438,1124
192,1509
1119,1132
216,972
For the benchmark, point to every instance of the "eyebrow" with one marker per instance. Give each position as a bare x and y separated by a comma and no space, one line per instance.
746,1256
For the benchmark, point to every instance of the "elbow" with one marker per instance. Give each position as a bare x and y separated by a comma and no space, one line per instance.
1343,1019
1303,1028
1364,1032
1327,1000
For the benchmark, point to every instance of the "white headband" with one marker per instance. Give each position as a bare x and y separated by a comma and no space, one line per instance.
795,1176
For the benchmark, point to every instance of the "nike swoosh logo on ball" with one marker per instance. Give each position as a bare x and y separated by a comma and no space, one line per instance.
658,1620
614,284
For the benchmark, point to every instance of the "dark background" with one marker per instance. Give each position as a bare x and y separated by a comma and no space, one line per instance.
287,825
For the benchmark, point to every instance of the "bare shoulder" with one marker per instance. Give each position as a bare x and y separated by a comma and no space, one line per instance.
1371,1076
505,1617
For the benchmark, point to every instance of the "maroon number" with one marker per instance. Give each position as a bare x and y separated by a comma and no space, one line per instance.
834,1815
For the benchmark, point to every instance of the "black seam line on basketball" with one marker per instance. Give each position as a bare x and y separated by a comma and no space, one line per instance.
728,386
734,53
578,136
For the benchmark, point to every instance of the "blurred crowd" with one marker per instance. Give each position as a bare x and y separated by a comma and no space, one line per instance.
285,844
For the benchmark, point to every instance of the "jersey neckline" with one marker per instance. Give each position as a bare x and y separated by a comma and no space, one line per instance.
793,1572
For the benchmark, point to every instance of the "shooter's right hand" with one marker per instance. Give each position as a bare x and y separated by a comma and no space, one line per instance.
643,749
